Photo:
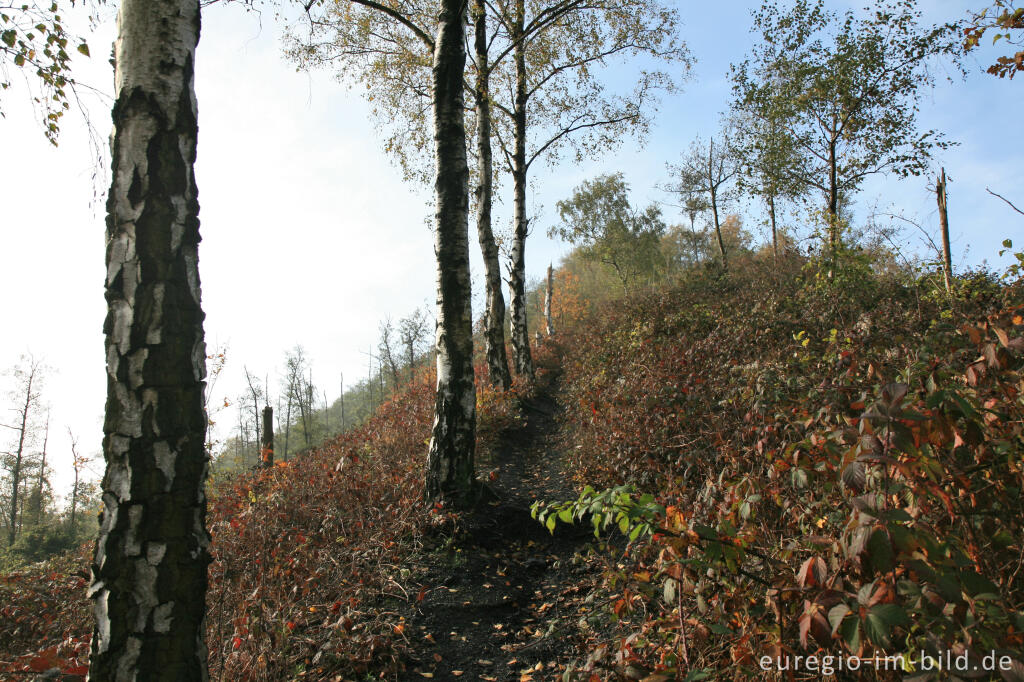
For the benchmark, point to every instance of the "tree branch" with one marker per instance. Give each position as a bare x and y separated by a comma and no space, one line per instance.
1004,199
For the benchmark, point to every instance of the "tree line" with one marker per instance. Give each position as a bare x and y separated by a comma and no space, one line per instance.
36,521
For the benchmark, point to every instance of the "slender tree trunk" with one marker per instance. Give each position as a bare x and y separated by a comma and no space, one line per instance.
775,236
714,201
287,425
517,267
833,209
267,445
149,571
547,301
12,529
693,231
42,475
342,398
450,466
947,258
494,318
74,490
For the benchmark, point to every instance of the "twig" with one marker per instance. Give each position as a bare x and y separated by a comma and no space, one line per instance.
1004,199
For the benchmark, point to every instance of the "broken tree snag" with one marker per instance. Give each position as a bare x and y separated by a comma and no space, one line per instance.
450,473
267,447
149,568
547,301
947,259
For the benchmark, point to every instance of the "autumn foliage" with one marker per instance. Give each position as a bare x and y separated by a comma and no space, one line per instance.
306,554
802,470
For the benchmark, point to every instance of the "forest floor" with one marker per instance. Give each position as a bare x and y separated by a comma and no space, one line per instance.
501,597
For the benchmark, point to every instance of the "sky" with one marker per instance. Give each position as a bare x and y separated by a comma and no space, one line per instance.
304,216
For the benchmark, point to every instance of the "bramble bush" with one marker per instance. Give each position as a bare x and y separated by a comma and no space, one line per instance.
802,469
306,557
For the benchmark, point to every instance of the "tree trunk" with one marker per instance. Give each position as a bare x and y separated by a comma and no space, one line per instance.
693,231
947,259
450,467
833,209
149,570
547,302
775,236
342,398
42,475
74,491
517,267
12,529
267,449
494,318
714,201
287,425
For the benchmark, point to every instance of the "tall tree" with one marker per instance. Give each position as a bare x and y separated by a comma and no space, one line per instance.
706,174
78,462
26,392
599,219
450,459
545,55
494,315
556,101
766,150
149,573
853,87
411,330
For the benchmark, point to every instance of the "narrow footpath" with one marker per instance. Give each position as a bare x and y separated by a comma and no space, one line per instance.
503,596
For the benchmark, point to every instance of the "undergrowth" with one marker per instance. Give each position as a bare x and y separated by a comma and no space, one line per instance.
803,469
306,557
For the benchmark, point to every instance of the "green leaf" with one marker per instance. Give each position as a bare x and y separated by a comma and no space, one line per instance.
880,551
84,49
849,630
550,523
836,615
8,37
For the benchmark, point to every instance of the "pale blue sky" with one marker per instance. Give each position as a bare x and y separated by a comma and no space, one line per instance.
303,214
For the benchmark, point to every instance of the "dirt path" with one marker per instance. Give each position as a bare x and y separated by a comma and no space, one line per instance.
500,595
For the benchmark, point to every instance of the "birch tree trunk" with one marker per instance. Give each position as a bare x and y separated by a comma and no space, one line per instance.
450,467
494,323
547,301
149,570
517,267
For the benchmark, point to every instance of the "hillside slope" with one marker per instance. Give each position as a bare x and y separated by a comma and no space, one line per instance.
798,467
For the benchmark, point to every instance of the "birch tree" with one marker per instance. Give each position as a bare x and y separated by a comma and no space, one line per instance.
450,459
149,572
706,174
556,101
853,85
537,64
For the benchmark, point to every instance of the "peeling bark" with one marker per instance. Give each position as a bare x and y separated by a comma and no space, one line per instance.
450,467
149,569
517,266
494,322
